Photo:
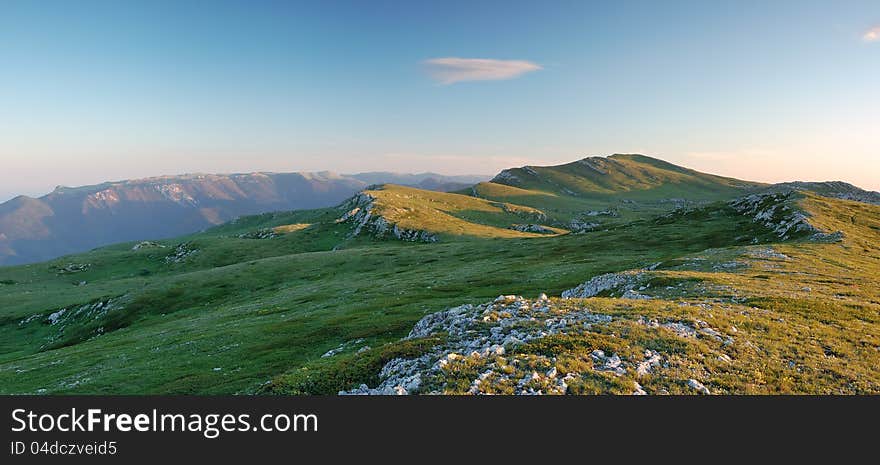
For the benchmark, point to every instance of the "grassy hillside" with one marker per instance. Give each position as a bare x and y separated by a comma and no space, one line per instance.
297,302
615,189
256,308
450,215
764,318
629,176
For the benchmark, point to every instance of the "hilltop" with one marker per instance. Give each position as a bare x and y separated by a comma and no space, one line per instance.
678,289
620,175
600,191
587,195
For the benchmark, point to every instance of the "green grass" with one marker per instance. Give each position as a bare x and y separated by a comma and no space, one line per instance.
451,215
629,176
634,186
244,315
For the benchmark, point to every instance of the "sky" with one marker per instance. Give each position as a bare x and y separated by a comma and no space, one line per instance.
92,91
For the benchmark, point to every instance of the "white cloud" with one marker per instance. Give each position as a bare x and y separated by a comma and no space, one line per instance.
449,70
873,35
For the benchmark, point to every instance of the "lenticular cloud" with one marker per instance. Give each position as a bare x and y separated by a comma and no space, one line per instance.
450,70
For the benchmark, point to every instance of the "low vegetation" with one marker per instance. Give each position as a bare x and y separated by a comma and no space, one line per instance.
311,308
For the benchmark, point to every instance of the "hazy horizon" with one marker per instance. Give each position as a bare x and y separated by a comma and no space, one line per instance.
4,196
102,91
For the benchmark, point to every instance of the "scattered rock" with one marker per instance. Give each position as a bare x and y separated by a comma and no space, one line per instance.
333,352
652,360
531,228
836,236
778,212
30,319
621,282
266,233
512,321
360,212
345,346
601,362
54,318
698,386
181,253
71,268
507,177
632,294
147,245
767,253
608,212
580,226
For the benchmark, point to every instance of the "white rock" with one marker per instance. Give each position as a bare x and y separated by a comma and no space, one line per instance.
698,386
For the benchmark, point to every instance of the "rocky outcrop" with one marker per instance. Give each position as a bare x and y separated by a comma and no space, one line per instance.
147,245
531,228
488,335
595,163
581,226
71,268
181,253
485,349
64,321
529,214
778,212
624,284
835,189
508,178
360,211
607,212
266,233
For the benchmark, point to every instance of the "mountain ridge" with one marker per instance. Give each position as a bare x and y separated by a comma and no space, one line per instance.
614,174
584,195
75,219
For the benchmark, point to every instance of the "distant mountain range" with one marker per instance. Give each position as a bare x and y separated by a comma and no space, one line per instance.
616,189
75,219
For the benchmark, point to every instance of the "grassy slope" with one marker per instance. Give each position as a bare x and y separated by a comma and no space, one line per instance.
636,186
257,307
633,176
240,311
450,214
801,317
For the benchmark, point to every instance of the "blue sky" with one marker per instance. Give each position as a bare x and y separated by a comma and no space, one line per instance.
770,91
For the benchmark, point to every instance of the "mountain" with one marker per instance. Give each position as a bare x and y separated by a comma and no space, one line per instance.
630,176
753,289
421,180
426,181
70,220
596,192
589,194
